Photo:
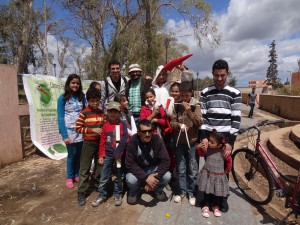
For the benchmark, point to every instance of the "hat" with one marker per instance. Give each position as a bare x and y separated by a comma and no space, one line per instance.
114,105
134,67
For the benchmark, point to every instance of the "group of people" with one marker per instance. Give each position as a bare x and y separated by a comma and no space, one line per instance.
150,131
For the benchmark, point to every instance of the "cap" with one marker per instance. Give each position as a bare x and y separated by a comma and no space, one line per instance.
134,67
114,105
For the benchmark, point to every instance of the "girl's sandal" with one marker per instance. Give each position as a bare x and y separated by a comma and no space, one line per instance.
217,212
205,212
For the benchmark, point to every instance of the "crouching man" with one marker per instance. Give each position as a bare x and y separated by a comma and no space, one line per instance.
147,162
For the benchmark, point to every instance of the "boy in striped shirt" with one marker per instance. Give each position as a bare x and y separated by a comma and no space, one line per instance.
89,124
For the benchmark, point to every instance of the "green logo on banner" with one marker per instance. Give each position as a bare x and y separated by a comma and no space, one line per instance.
45,93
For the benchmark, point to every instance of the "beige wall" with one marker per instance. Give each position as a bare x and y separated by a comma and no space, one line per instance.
285,106
11,145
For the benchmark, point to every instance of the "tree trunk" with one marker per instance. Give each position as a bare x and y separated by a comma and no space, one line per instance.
27,12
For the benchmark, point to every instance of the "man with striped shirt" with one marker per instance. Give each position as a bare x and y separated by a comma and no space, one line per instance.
221,110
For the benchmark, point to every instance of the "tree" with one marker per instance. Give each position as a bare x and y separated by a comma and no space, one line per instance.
205,82
232,80
132,31
16,32
272,71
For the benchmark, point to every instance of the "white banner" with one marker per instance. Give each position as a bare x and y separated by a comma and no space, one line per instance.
42,92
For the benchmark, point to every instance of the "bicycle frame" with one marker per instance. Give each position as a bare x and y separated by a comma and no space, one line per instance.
291,198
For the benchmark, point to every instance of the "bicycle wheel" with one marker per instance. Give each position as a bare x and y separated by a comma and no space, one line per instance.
252,176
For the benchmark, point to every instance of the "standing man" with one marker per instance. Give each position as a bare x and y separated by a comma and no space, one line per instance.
136,89
114,84
161,85
252,98
147,162
221,110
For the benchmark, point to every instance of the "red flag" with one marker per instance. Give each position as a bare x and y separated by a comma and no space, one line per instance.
175,62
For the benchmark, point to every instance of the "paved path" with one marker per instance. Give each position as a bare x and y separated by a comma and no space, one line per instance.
240,211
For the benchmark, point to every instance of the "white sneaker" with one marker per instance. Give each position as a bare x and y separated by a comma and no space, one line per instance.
192,201
178,198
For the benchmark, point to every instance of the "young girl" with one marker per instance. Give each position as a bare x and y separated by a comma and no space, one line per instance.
69,106
175,98
154,112
212,179
126,115
185,121
168,139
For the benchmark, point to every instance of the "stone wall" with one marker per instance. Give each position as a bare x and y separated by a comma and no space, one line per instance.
11,149
285,106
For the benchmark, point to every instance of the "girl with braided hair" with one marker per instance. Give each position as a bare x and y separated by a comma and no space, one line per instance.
212,179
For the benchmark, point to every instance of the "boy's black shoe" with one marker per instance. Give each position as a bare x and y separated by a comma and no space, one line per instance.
224,205
161,196
81,199
131,200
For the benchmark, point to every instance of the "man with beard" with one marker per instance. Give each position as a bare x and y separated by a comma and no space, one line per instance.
147,162
135,91
221,110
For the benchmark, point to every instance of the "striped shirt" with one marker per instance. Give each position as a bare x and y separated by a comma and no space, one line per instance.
221,110
88,119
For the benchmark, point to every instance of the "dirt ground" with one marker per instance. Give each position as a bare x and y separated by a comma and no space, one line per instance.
32,192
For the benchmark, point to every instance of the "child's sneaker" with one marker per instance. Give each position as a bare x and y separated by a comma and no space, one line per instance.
118,200
178,198
192,201
217,212
98,201
205,212
69,183
81,199
76,179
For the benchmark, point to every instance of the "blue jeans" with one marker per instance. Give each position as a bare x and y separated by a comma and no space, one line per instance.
187,168
73,159
105,177
135,185
251,109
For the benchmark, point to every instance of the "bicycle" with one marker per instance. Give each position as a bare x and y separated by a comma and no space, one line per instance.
257,175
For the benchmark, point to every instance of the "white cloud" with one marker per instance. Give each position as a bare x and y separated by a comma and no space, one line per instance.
248,27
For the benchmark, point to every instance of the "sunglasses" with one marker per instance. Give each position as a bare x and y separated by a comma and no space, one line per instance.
145,131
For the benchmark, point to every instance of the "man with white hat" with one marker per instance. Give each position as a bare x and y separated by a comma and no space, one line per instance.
136,88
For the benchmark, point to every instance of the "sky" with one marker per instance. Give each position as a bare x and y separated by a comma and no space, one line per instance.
248,28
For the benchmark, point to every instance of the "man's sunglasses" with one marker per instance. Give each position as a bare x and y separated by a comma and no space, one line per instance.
145,131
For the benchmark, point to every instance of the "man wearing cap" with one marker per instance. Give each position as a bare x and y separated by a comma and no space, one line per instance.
136,90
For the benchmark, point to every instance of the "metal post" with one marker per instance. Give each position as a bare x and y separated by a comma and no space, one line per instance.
197,81
167,43
54,66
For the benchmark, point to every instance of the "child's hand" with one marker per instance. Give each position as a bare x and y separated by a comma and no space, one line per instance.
154,120
97,130
67,141
186,107
155,112
101,161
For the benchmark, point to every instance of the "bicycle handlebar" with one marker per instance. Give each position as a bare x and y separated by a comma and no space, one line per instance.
262,123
